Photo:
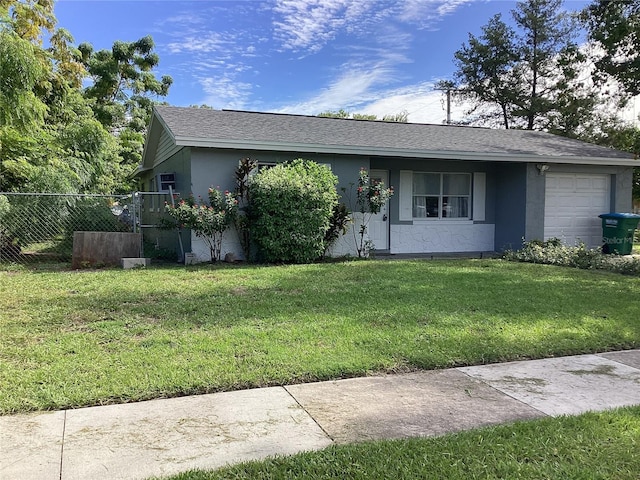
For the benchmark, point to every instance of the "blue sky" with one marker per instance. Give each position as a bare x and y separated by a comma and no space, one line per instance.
296,56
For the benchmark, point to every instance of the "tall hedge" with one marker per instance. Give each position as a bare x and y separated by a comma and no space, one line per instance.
291,205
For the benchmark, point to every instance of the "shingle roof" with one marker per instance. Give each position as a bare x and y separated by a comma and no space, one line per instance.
206,127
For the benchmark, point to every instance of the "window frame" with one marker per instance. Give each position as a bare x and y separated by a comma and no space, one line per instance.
441,197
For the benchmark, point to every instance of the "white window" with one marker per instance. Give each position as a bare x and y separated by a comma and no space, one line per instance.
441,195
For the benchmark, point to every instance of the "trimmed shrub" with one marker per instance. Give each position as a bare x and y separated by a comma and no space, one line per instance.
291,206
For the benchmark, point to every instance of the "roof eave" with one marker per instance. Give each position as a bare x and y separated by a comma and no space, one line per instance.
140,170
401,152
154,130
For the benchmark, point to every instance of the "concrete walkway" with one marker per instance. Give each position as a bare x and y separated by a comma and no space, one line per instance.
162,437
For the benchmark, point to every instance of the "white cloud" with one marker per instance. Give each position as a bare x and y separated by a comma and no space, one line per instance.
218,60
182,19
355,94
310,24
352,88
225,92
426,13
450,6
632,112
203,43
421,102
377,44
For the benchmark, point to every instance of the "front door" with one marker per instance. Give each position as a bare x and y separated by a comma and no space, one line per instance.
379,223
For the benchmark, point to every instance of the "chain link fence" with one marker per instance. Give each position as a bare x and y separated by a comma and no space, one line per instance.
37,227
158,240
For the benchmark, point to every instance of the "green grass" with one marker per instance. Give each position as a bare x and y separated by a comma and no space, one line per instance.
587,447
73,339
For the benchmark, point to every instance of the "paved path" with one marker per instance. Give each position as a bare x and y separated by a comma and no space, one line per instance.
162,437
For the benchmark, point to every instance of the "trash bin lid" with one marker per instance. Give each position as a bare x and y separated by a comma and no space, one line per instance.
619,215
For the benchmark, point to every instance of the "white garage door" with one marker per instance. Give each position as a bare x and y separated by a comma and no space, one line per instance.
572,205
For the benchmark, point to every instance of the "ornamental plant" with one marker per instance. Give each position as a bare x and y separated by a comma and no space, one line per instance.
338,225
246,167
291,208
208,222
554,252
371,196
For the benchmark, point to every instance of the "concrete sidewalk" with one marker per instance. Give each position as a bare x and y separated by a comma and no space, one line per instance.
162,437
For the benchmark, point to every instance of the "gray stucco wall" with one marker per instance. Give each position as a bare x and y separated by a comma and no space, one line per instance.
347,169
217,167
212,168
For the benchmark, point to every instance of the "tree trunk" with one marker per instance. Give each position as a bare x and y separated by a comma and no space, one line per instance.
505,116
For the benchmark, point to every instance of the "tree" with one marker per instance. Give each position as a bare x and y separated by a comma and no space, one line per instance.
528,77
486,65
339,114
121,95
122,80
28,18
23,68
246,168
49,138
371,196
67,58
576,111
614,25
402,117
547,34
620,136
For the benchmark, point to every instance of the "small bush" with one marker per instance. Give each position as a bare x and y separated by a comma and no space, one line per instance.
291,205
553,252
338,225
208,222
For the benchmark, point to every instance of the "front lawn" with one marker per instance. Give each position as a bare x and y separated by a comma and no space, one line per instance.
73,339
590,446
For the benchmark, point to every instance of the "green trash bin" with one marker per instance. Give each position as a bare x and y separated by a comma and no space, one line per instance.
617,232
